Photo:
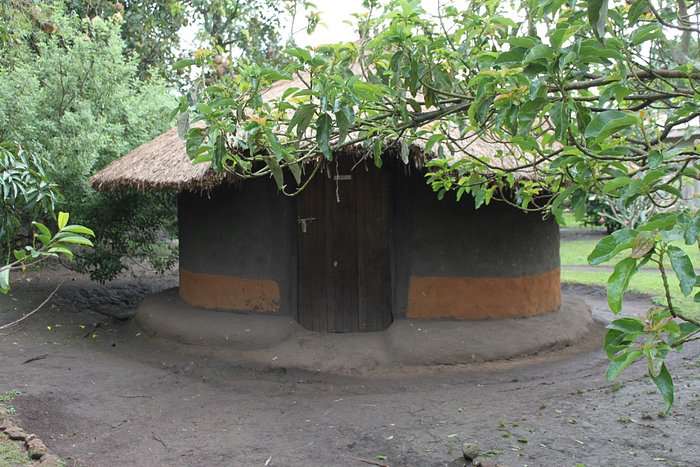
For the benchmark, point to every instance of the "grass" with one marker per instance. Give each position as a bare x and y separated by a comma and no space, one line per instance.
8,396
575,252
647,280
11,454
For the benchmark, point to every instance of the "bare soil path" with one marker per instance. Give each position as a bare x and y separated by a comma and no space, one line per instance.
117,398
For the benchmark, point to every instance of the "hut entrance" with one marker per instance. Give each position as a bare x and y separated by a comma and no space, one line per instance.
344,275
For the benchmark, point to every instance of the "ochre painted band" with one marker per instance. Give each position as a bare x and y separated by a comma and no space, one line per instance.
229,293
483,297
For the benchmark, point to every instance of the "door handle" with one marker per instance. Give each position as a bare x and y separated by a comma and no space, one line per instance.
303,221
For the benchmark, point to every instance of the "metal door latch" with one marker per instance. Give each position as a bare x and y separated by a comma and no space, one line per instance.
303,221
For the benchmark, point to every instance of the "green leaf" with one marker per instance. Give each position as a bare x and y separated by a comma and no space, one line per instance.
636,11
275,145
19,255
276,171
611,245
561,118
655,159
44,235
78,229
377,149
628,324
598,17
652,176
615,341
366,91
671,190
561,34
683,267
5,279
62,250
323,134
661,221
691,232
343,122
539,52
433,140
645,33
618,282
665,384
76,239
184,63
297,52
302,118
606,124
619,363
616,183
527,113
62,219
296,171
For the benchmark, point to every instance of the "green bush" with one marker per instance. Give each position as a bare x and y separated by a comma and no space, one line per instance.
70,96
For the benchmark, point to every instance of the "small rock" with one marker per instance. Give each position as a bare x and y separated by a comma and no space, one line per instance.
36,448
470,451
4,424
49,460
16,433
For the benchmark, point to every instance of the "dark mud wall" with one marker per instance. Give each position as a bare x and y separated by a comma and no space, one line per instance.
238,248
458,260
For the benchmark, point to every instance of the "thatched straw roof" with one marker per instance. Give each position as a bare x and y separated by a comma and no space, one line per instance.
163,163
160,164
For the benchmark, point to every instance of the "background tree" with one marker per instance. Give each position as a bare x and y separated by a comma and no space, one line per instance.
151,30
84,82
584,96
73,100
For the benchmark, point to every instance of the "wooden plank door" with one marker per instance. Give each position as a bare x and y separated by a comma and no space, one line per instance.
344,278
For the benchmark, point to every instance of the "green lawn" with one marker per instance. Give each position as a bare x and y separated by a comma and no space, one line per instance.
575,252
648,280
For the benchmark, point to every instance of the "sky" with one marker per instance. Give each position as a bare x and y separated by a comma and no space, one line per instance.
333,27
334,13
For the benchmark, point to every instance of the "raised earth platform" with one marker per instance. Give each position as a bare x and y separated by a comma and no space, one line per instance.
279,341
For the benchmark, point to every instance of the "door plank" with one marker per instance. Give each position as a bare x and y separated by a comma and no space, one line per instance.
374,267
311,253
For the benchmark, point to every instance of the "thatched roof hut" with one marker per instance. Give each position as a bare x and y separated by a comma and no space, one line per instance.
359,248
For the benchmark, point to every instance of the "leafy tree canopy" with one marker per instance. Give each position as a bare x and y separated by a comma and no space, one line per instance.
587,96
252,29
71,99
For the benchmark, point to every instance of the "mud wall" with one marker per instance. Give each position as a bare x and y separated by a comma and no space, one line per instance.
238,251
238,248
452,261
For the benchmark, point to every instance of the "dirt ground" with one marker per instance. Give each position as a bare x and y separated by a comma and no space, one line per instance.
118,398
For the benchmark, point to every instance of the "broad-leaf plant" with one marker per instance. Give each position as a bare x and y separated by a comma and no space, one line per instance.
579,97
